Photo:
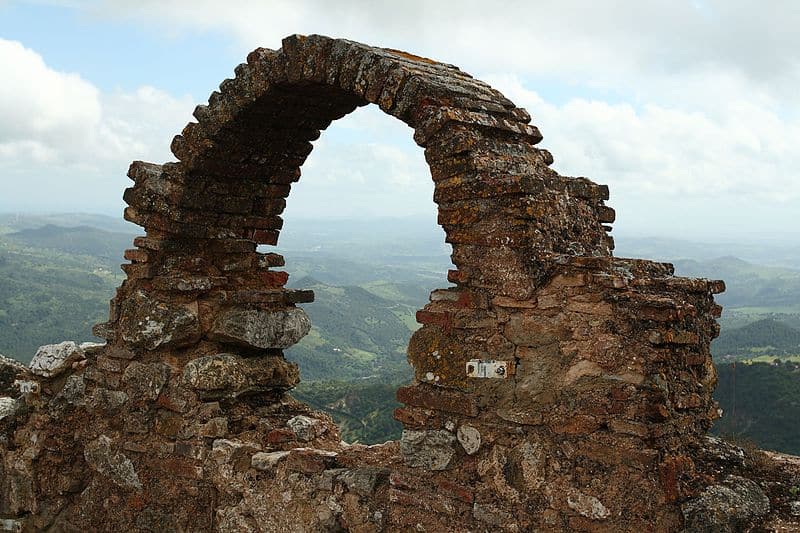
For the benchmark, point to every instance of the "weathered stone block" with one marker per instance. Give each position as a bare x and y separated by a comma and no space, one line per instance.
266,461
8,407
261,328
304,428
145,381
53,359
216,427
526,330
470,439
229,375
147,323
364,481
430,449
102,458
106,400
310,461
73,390
439,399
730,506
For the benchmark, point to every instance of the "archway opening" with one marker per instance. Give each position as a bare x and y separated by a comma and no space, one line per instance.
360,230
504,211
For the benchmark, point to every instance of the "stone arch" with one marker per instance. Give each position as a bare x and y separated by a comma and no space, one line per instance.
556,387
504,212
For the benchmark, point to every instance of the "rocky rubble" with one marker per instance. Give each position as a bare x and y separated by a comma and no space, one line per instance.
557,388
9,370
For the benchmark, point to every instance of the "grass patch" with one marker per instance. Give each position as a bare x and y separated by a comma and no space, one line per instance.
361,356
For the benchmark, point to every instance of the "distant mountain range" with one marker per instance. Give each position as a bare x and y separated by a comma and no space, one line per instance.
10,222
776,253
749,287
80,240
57,273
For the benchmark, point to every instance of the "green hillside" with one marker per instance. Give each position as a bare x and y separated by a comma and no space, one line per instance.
751,288
48,296
355,334
764,336
57,273
78,240
761,403
363,409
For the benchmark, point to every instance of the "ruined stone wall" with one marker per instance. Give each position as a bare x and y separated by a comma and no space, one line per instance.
556,387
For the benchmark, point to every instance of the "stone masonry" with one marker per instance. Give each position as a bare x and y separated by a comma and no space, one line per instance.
557,388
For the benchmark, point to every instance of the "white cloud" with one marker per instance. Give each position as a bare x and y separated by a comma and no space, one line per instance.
60,135
364,164
629,46
141,124
46,114
700,97
744,149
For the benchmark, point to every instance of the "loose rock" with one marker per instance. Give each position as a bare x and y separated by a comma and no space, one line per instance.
428,449
8,407
470,439
304,428
587,506
53,359
731,506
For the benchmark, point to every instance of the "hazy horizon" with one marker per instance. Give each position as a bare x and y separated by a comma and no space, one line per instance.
422,234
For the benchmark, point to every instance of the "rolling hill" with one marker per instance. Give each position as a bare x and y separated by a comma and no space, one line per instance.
765,336
355,334
79,240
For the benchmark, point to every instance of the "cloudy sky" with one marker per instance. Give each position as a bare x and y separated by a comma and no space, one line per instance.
688,110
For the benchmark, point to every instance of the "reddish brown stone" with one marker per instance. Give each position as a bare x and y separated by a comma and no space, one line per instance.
182,468
309,461
432,397
457,276
417,418
136,502
454,490
136,255
577,425
671,470
278,436
264,236
274,278
443,320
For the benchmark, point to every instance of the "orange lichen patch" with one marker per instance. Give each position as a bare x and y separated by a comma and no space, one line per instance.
412,57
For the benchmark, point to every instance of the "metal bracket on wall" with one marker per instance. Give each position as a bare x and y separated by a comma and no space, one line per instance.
477,368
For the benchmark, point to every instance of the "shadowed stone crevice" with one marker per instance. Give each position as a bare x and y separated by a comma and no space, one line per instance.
556,388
